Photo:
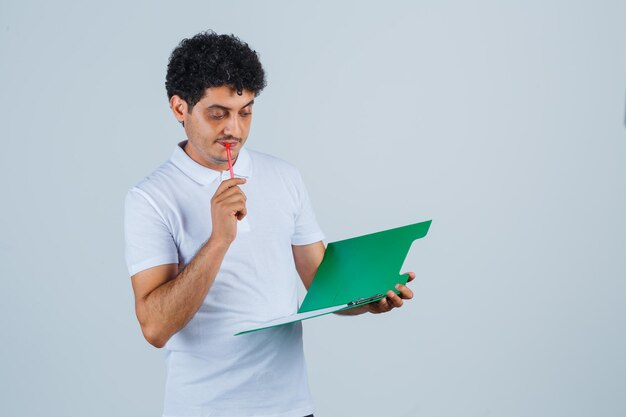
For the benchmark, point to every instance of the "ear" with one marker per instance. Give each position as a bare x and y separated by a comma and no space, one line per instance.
179,108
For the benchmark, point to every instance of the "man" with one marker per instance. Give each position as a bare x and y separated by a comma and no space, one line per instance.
211,255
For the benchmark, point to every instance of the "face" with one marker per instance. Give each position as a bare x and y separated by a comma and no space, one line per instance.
220,117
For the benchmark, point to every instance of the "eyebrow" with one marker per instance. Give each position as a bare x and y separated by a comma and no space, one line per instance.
219,106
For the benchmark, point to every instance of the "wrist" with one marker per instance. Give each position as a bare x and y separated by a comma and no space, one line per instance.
219,242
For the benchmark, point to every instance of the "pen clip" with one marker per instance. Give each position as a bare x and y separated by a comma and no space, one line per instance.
364,300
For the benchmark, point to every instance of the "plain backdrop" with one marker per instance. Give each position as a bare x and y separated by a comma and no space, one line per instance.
504,122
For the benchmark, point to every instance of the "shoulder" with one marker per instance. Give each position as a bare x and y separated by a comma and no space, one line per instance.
156,187
165,174
163,180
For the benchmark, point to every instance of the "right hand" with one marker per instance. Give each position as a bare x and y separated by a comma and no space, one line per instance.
228,205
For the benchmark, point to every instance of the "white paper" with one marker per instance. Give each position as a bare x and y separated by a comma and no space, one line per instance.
295,317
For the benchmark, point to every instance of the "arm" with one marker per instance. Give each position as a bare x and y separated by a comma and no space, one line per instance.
166,300
309,257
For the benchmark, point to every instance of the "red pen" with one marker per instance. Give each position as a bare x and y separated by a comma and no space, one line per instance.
230,160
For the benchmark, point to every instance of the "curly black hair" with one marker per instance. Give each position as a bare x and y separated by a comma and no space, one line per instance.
212,60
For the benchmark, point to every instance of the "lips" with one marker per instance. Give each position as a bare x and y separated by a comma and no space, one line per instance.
233,143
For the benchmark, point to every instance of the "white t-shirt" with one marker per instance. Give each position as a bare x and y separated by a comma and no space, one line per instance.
210,372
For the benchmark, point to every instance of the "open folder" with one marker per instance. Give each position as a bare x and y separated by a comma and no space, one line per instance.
355,272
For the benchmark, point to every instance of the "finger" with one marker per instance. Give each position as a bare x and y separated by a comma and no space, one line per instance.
379,306
405,292
226,203
235,207
226,184
242,213
234,190
393,300
411,276
229,198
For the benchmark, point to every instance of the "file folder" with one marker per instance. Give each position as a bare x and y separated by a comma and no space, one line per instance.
355,272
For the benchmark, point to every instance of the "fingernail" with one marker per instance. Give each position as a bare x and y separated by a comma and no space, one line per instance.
397,286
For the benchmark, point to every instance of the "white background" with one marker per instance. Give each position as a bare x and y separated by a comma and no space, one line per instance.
504,123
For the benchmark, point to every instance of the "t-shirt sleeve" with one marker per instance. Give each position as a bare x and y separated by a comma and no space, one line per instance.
307,230
149,241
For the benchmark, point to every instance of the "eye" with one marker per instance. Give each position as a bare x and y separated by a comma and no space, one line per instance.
245,113
217,114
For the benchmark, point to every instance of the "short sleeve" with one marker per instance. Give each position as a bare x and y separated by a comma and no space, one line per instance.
306,230
149,241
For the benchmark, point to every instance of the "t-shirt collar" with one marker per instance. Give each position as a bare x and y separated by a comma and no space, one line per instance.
205,176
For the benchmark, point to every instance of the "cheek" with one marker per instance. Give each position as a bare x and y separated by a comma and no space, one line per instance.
246,124
208,129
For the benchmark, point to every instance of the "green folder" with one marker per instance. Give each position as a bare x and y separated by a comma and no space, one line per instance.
355,272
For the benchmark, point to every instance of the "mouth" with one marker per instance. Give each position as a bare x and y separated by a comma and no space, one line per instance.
232,142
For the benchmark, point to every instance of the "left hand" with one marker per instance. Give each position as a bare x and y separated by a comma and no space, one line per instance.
392,300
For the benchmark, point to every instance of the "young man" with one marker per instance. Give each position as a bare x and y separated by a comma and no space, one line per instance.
211,255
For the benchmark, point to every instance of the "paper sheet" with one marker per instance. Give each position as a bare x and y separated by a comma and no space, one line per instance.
294,317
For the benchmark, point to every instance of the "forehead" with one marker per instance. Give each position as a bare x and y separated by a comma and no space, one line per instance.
226,96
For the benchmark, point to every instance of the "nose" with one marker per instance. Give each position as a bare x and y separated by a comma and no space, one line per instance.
233,127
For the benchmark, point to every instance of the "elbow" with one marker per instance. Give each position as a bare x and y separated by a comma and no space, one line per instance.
154,333
154,336
156,342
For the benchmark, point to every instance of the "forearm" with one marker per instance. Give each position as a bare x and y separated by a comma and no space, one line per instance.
169,307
